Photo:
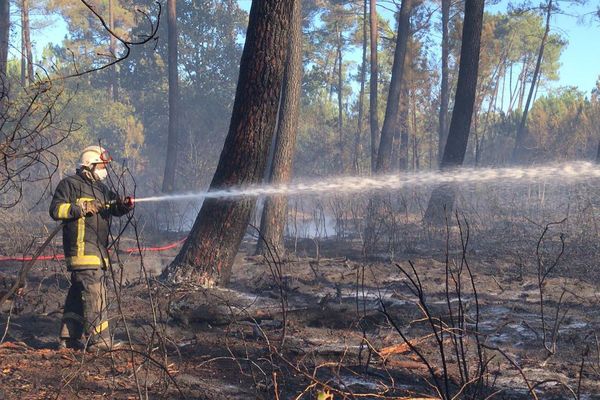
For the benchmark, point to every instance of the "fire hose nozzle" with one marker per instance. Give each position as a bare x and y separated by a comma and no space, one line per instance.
128,201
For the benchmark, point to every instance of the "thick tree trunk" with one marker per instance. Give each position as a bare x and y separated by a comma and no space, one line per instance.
442,198
361,96
373,85
444,91
208,253
274,215
384,154
172,141
114,76
4,35
520,138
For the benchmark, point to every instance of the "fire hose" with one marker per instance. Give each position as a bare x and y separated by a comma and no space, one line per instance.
26,267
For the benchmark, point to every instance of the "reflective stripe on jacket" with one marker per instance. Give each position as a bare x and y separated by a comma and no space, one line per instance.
85,239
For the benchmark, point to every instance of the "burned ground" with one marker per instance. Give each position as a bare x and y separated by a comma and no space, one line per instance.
328,319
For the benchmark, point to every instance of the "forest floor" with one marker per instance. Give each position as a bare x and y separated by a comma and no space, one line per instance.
328,321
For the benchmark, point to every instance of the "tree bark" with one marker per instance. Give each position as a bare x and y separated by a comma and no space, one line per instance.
384,155
172,141
444,91
4,35
28,47
208,253
404,127
23,51
373,85
520,138
361,96
274,215
442,198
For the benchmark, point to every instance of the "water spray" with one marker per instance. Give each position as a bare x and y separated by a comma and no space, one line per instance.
571,172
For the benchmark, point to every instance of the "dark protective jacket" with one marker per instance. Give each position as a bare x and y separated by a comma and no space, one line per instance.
85,239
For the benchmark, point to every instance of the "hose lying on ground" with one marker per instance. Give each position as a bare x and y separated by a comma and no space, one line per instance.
31,260
26,267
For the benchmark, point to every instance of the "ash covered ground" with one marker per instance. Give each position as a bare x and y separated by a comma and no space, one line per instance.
467,297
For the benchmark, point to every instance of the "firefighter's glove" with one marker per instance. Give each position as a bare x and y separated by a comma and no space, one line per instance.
90,207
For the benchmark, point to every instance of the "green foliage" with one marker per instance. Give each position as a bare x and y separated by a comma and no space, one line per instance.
210,42
99,120
211,36
557,126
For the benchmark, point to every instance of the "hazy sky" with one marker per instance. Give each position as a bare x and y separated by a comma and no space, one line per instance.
580,60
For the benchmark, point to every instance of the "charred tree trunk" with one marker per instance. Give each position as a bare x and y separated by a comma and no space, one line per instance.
384,155
361,97
444,91
208,253
519,141
114,77
171,162
274,213
373,84
442,198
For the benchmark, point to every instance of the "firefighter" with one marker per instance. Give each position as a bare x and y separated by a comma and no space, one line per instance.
85,205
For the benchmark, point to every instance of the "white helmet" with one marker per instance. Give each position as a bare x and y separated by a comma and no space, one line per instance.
94,155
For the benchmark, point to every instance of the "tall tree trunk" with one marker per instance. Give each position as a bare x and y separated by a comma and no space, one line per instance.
340,85
114,76
27,38
374,83
172,143
274,215
4,35
384,154
444,91
23,51
390,122
361,96
404,127
442,198
413,131
523,82
519,141
207,255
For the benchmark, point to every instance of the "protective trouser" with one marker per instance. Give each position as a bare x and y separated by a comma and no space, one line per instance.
85,310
